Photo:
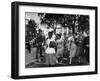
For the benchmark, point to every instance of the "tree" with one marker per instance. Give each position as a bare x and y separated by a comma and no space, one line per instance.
31,30
66,20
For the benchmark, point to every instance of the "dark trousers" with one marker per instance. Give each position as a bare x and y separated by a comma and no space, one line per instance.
39,51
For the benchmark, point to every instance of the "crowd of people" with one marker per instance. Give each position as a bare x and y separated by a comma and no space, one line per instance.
55,44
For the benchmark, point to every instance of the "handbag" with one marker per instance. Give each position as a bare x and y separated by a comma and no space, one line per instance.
52,44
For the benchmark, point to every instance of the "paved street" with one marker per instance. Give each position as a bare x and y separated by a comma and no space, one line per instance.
30,61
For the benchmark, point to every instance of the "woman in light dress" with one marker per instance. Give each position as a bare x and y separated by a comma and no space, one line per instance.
50,51
72,48
60,49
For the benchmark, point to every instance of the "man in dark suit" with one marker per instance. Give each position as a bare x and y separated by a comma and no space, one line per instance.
39,42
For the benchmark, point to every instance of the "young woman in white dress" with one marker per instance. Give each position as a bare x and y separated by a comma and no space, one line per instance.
50,50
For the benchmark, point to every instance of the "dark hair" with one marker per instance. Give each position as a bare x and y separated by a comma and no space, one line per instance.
50,34
40,31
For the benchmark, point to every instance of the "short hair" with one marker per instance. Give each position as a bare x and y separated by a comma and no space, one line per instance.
50,34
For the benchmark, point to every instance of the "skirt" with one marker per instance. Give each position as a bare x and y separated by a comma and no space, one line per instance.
50,59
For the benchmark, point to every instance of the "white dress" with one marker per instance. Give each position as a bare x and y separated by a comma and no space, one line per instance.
50,50
60,47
